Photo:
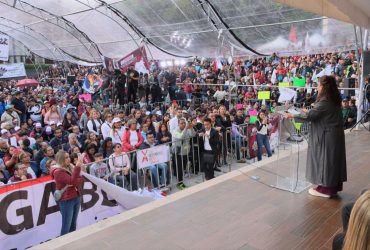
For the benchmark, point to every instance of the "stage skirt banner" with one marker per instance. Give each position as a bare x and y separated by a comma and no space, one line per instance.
152,156
4,47
138,58
29,214
12,70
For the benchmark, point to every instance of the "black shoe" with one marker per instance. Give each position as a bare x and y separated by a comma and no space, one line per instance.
217,169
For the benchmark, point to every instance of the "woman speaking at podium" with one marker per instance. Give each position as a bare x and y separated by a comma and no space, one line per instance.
326,153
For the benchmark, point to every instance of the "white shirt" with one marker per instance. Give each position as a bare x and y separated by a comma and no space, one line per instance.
116,163
105,129
173,124
133,138
31,172
117,135
35,112
207,146
90,126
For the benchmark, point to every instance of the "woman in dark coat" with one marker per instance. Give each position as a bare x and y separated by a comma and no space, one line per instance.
326,154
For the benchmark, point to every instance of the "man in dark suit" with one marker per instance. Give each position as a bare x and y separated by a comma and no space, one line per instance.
209,138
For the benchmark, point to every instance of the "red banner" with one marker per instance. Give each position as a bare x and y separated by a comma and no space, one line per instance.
138,58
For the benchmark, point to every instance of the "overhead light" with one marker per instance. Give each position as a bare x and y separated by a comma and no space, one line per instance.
169,63
163,64
177,62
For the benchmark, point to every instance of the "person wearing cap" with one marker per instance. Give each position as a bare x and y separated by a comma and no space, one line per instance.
5,134
10,116
19,106
117,130
36,130
48,133
35,110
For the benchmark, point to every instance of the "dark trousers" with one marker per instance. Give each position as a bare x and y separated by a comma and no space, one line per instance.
121,99
132,93
208,160
69,210
180,163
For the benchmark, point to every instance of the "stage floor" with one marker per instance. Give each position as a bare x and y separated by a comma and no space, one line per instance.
232,211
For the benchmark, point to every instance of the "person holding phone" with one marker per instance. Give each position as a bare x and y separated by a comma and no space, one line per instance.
66,174
262,137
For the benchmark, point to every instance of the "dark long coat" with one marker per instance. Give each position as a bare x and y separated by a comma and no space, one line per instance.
326,154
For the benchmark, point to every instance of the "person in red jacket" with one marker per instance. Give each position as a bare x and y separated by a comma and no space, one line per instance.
66,174
132,138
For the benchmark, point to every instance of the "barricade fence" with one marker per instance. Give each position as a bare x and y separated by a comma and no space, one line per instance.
165,165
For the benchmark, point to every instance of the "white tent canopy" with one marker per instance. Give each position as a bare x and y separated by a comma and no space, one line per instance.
85,30
350,11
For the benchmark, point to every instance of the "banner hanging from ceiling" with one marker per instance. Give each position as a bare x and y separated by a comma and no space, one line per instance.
12,70
4,47
138,58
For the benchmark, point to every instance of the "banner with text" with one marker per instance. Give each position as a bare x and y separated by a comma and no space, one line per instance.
153,156
138,58
12,70
29,214
4,47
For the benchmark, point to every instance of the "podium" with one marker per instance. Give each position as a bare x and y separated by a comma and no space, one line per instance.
288,171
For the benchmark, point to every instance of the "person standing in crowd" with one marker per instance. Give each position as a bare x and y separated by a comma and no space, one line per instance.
132,83
19,106
66,175
120,86
348,115
181,149
326,154
53,116
262,135
209,139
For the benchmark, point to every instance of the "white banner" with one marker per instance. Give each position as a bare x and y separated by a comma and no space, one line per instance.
30,216
152,156
12,70
4,47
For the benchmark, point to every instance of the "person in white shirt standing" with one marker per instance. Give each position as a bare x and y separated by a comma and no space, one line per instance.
209,139
174,122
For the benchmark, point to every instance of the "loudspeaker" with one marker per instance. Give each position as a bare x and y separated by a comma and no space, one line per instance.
366,63
349,83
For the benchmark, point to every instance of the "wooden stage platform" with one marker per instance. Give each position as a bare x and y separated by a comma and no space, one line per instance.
232,211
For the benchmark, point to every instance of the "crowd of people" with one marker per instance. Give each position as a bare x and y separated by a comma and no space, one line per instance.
133,110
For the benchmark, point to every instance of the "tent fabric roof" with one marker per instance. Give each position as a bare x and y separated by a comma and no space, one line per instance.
85,30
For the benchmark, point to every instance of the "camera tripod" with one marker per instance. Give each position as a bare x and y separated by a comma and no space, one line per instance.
362,121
